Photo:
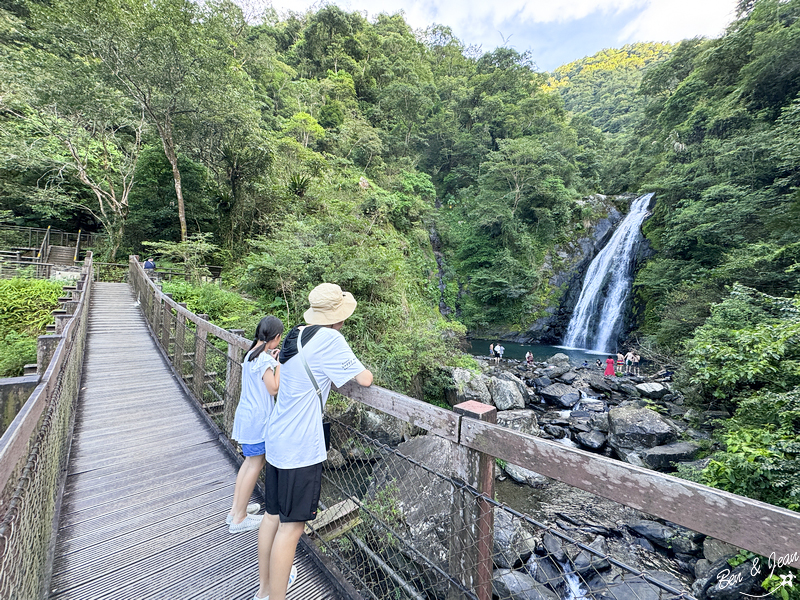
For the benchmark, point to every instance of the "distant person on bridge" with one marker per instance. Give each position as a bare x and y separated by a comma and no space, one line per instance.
260,380
312,358
150,264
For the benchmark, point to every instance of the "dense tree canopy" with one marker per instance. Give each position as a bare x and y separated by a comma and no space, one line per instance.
430,178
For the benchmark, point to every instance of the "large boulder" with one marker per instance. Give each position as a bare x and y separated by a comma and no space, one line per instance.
558,359
513,543
468,386
723,582
656,532
526,392
656,391
663,457
522,420
546,571
526,476
554,371
569,377
593,440
383,427
588,563
598,383
560,395
507,583
505,394
632,588
714,549
633,429
424,506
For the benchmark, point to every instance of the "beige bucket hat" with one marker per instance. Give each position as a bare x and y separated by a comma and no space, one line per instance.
329,305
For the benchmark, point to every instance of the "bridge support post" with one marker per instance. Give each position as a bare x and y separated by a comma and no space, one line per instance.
199,373
166,324
61,318
472,521
180,340
233,382
45,348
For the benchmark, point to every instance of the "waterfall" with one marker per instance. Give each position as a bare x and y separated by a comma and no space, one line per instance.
597,318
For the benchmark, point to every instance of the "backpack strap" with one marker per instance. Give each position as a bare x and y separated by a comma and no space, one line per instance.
308,370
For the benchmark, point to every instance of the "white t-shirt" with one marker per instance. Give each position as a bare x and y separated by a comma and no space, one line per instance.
295,425
255,404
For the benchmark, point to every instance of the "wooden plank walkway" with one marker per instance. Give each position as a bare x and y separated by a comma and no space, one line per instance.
148,484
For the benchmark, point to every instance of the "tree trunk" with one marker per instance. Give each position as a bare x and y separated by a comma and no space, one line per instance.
117,241
169,150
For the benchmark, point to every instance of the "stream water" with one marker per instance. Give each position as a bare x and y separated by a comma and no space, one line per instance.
541,352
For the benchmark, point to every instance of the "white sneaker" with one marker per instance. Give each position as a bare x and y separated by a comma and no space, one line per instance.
249,523
252,509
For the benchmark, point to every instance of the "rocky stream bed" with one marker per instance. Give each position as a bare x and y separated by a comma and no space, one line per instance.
640,420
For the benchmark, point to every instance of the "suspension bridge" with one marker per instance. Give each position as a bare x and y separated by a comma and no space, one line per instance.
118,472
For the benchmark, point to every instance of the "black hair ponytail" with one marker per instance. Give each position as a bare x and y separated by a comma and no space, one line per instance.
267,329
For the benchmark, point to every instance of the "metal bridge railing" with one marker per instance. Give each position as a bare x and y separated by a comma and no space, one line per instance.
428,527
33,453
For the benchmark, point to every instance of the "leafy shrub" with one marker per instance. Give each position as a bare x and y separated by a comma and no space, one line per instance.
25,310
26,305
761,456
16,351
224,308
750,341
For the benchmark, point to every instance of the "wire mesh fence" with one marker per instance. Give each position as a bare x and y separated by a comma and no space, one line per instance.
400,527
29,497
209,365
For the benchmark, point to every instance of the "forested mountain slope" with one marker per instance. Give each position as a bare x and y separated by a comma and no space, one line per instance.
716,136
317,146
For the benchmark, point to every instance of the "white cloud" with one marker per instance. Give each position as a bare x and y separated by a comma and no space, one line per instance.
478,21
675,20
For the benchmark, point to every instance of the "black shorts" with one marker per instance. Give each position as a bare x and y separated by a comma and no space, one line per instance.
293,494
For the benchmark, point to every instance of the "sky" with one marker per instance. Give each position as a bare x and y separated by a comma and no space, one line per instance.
556,32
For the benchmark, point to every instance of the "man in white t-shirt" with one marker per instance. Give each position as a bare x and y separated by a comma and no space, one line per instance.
296,447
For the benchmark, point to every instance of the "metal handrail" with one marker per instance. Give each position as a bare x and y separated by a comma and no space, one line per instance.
45,244
77,247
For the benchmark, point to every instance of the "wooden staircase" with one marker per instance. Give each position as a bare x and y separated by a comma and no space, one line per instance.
61,255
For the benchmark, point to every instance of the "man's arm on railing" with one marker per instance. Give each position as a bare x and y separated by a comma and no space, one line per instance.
364,378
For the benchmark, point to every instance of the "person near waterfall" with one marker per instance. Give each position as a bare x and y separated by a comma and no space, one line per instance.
629,362
609,372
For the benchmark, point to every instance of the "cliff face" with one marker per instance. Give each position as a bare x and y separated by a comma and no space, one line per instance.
566,266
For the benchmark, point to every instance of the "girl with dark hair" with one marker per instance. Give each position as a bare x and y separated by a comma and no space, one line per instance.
260,380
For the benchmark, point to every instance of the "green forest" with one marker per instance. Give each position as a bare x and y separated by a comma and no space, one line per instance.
434,180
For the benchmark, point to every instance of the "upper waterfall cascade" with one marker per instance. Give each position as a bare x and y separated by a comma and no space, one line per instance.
598,316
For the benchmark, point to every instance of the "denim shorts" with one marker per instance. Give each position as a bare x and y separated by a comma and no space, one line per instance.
254,449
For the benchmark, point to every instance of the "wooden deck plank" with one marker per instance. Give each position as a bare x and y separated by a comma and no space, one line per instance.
148,484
